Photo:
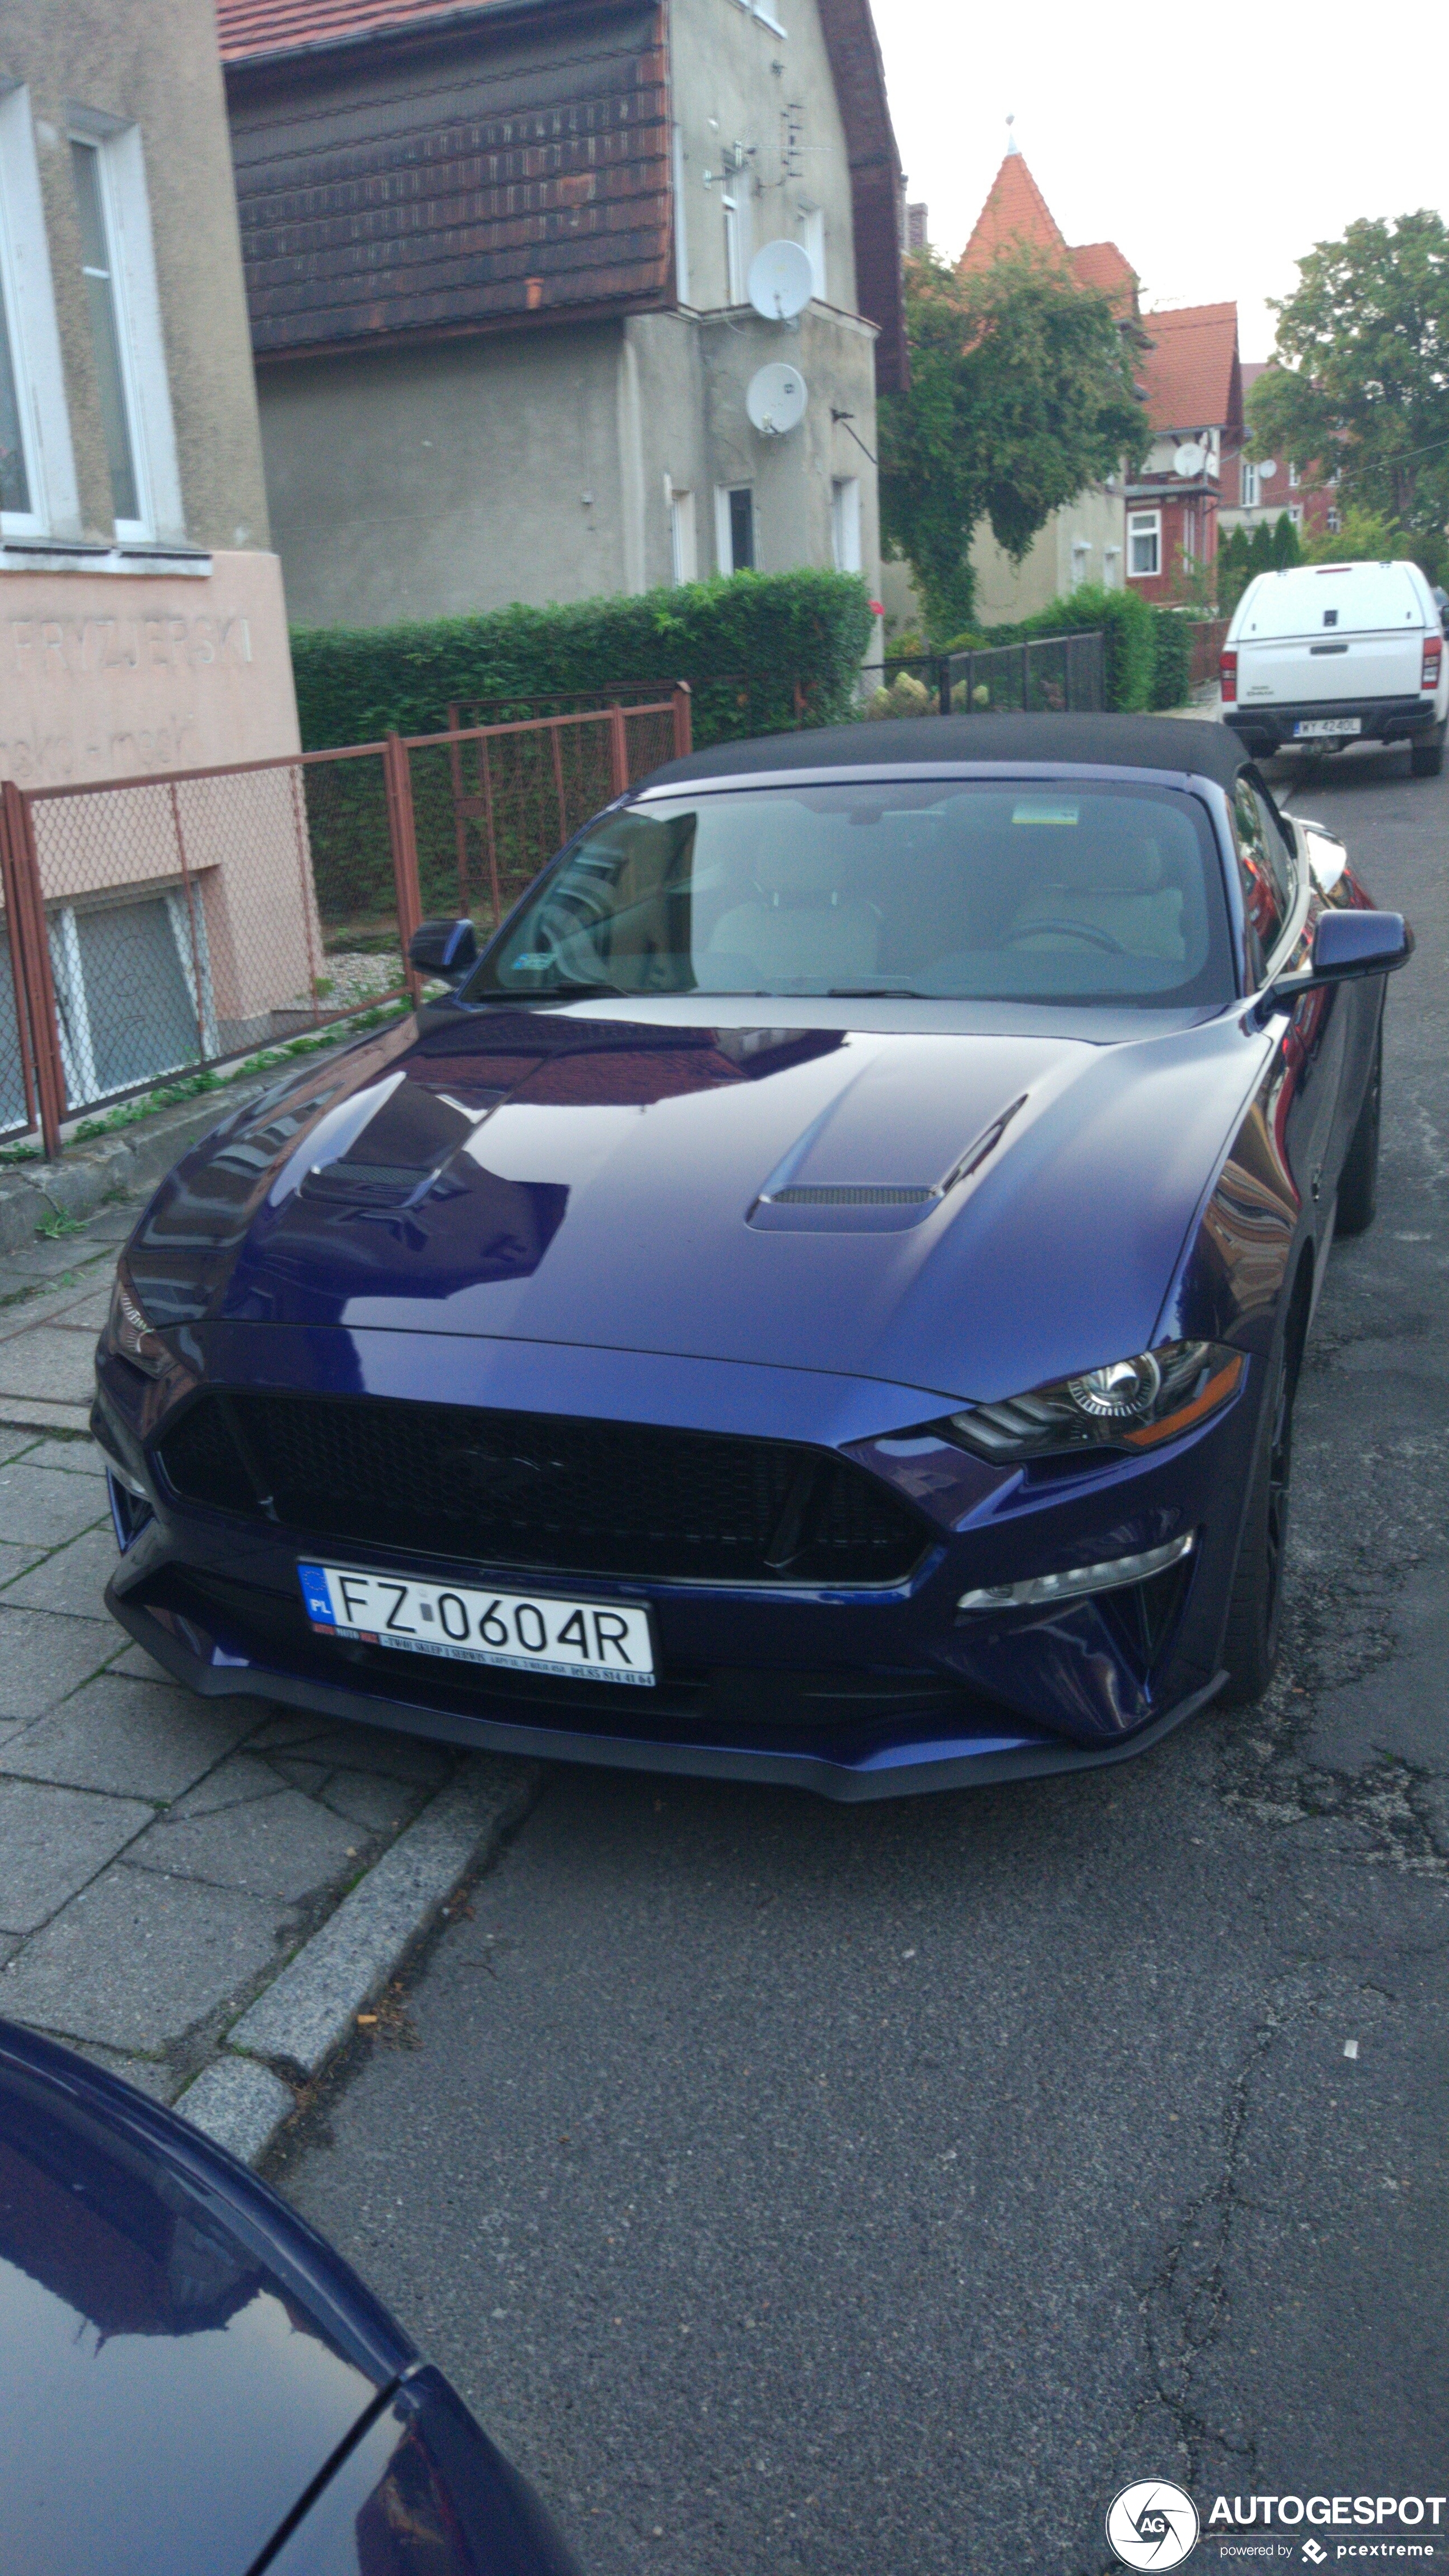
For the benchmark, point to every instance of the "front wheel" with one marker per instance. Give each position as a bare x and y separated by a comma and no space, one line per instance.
1359,1182
1255,1613
1426,759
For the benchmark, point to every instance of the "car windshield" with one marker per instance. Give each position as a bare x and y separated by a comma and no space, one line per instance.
1075,891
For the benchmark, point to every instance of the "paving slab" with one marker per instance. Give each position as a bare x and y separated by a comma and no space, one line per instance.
44,1655
51,1362
150,2075
15,1561
86,1289
38,1508
50,1257
135,1662
73,1578
26,1411
14,1443
138,1958
284,1846
52,1840
235,1782
68,1457
129,1738
366,1798
379,1748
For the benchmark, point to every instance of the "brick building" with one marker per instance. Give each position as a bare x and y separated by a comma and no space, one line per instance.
1255,492
1194,384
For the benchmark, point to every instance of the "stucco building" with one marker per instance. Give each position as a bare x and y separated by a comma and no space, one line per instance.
142,625
497,262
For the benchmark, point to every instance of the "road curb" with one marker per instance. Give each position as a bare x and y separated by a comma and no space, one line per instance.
113,1165
301,2020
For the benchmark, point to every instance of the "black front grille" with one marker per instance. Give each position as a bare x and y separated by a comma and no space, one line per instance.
533,1490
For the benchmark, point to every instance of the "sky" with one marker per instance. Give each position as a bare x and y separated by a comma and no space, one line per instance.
1213,146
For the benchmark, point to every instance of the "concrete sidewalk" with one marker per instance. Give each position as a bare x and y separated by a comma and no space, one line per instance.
161,1857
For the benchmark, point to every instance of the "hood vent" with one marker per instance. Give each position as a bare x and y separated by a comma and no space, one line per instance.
870,1207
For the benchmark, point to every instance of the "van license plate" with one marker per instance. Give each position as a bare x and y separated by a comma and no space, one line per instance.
587,1641
1313,728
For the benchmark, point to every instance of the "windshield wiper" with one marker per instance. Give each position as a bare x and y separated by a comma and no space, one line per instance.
875,993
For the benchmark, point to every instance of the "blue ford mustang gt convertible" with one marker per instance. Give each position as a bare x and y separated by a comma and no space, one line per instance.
820,1300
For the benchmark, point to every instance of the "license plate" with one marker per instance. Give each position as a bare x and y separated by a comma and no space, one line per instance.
518,1632
1313,728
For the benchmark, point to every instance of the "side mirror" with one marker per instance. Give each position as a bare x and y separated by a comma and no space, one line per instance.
1346,946
447,949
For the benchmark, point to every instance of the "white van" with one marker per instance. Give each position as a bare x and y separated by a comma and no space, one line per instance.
1329,654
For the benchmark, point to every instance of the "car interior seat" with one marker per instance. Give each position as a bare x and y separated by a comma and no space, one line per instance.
802,925
1111,880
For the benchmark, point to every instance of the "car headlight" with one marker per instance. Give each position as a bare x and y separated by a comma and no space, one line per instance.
129,1329
1129,1404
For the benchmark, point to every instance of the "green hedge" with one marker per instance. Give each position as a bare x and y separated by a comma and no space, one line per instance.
766,630
1172,657
1127,624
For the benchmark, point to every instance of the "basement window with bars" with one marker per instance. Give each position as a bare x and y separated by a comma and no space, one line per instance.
133,990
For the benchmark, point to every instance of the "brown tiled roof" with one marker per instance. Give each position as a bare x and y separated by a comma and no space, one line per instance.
259,27
543,188
457,176
1015,213
1101,266
1191,372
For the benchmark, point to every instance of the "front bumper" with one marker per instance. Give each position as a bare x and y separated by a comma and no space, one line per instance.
855,1692
1267,729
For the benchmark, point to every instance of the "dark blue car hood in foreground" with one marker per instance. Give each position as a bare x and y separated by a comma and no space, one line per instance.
962,1209
186,2366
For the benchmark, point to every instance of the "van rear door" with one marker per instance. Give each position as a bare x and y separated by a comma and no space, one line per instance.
1330,631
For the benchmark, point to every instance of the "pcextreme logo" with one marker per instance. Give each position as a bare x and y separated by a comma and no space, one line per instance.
1152,2524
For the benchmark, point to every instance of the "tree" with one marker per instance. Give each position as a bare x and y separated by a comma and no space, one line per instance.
1360,387
1286,548
1021,393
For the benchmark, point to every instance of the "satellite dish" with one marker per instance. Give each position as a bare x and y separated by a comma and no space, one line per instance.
775,399
781,280
1189,458
1267,467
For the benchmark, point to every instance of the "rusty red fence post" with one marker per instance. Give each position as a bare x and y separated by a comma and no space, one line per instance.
397,773
618,753
683,703
17,970
32,949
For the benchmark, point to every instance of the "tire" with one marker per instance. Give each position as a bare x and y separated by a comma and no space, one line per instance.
1358,1186
1255,1610
1426,759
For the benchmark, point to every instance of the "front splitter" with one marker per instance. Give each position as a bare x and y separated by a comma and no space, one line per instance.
901,1771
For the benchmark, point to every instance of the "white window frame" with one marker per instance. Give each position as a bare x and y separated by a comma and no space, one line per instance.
812,237
683,534
845,522
1081,555
735,261
1248,495
34,336
1111,563
723,539
1146,525
1292,478
681,237
126,214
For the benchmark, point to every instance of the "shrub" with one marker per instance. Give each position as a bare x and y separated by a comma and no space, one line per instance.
905,697
1126,623
809,627
1171,657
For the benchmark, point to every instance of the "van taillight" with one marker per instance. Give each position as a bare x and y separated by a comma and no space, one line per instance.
1433,655
1228,668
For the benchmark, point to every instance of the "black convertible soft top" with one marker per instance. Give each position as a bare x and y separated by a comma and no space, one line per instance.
1168,743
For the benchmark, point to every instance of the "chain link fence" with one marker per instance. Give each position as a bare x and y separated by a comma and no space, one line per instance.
154,927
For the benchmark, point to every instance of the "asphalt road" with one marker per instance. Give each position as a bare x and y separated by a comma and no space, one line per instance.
797,2188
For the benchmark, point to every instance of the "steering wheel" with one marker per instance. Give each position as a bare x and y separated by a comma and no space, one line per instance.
1091,931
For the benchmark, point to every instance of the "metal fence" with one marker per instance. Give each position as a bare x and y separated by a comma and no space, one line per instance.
1047,674
156,926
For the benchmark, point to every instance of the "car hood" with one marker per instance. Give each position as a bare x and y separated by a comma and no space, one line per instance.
181,2359
964,1210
